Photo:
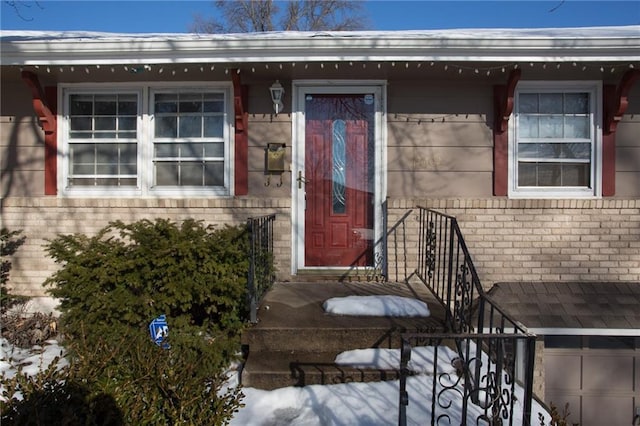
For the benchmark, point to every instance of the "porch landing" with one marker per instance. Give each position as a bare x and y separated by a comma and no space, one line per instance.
295,341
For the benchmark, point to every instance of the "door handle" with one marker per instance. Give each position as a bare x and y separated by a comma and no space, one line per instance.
301,179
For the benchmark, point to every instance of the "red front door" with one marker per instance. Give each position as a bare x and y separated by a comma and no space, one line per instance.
339,154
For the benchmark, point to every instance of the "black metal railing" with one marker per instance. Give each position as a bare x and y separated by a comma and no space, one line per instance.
495,353
261,270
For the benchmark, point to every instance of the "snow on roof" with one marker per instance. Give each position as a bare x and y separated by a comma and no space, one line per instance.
620,43
475,33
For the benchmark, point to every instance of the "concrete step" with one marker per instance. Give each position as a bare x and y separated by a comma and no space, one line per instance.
272,370
295,341
343,334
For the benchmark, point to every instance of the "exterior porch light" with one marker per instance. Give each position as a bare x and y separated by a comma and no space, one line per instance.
277,92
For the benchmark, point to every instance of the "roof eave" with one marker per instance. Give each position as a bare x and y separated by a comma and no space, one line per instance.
136,51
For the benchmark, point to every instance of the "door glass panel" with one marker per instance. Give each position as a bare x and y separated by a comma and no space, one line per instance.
338,168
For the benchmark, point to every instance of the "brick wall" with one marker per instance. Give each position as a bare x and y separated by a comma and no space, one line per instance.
509,240
544,240
44,218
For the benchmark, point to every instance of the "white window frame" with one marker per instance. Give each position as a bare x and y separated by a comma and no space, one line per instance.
594,88
145,140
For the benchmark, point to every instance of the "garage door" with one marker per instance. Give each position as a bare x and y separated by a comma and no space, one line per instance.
598,376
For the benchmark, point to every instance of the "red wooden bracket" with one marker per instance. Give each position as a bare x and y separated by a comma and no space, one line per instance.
241,122
616,107
40,106
505,101
44,105
503,96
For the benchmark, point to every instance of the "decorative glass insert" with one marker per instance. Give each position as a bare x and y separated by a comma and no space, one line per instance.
103,139
339,157
189,147
555,139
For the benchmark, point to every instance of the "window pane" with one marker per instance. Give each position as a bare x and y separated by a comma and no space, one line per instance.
190,103
166,150
166,103
106,105
127,123
190,127
549,174
166,174
214,127
527,174
191,150
551,103
80,123
577,127
214,103
554,174
551,126
576,174
80,105
127,105
528,126
83,169
191,174
581,151
82,152
105,123
214,149
166,127
107,153
214,173
576,103
528,103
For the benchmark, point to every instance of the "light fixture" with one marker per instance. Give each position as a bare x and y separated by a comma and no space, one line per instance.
277,92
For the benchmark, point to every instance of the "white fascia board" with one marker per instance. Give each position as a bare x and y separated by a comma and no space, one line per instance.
300,48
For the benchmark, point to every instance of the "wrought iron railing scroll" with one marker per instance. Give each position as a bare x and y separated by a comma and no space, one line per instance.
495,353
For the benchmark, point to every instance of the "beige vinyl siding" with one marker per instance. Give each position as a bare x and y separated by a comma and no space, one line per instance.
628,148
21,140
440,141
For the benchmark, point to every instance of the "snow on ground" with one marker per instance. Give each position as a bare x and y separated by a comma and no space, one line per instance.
389,359
350,404
31,360
390,306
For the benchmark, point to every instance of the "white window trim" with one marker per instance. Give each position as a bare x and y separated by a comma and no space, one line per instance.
145,121
595,89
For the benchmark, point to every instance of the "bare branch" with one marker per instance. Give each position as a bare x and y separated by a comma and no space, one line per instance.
299,15
18,6
553,9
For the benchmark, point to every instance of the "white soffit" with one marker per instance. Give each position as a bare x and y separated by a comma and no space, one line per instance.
552,44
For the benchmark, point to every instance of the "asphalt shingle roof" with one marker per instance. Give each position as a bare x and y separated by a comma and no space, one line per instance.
571,304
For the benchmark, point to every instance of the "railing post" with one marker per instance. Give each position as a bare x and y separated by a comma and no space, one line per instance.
528,382
450,274
385,242
251,285
405,357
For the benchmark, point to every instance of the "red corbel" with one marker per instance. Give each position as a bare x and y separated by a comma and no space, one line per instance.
44,105
241,122
40,106
505,100
503,96
616,107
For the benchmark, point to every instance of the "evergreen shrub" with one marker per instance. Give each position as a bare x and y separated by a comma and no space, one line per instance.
112,285
10,241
